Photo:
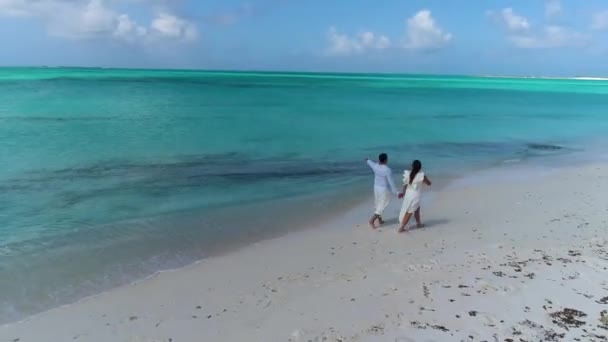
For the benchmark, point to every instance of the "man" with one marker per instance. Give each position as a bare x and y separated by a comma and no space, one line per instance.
383,187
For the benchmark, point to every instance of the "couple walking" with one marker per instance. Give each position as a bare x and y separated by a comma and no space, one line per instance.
384,186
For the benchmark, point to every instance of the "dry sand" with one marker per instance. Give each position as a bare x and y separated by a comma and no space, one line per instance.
523,260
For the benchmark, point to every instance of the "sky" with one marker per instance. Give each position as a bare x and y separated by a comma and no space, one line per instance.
479,37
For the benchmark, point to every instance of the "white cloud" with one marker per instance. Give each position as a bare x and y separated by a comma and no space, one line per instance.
94,19
522,35
553,8
27,8
127,29
512,21
423,32
373,41
343,45
170,26
89,21
551,37
600,21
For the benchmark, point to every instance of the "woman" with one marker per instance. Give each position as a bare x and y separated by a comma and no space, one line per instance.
412,186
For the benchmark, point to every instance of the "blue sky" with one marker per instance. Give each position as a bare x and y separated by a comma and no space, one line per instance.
523,37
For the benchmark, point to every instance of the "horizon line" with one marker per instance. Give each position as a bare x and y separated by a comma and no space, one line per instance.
520,76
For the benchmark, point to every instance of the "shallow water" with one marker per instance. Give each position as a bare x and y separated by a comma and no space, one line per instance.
110,175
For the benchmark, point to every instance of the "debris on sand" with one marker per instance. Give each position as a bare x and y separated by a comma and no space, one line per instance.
568,318
419,325
602,301
548,334
376,329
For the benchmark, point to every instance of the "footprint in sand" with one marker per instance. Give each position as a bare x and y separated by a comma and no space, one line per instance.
504,290
404,339
424,267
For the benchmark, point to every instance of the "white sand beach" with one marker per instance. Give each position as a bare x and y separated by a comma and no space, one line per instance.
520,260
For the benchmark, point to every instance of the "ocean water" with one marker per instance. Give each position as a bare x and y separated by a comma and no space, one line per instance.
107,176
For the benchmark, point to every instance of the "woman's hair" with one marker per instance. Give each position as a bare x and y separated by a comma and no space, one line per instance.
416,167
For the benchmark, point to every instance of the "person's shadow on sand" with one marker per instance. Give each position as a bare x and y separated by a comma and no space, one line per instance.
427,224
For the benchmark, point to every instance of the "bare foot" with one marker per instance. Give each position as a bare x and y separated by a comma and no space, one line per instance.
420,225
402,229
372,223
380,220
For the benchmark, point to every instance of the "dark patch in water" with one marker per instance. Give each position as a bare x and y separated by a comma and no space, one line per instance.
160,182
472,150
240,167
59,119
198,169
544,147
207,81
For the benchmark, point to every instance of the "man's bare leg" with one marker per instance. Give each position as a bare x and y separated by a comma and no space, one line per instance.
372,221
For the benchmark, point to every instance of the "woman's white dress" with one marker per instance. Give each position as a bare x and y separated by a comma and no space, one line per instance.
411,199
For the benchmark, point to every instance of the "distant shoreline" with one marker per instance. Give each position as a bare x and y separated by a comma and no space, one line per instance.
100,68
582,78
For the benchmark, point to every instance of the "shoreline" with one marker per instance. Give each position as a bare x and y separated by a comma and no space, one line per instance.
324,205
155,297
357,198
304,212
357,204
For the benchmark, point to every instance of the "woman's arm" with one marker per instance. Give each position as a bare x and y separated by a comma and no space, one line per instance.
403,193
389,178
427,181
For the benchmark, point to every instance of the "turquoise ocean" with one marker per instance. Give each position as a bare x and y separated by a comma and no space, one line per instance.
108,176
